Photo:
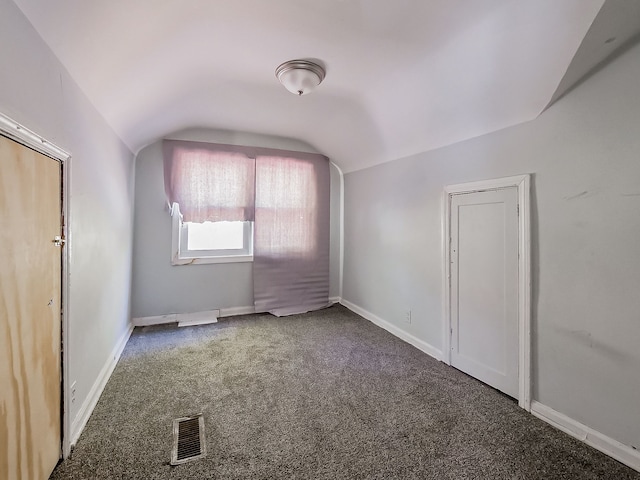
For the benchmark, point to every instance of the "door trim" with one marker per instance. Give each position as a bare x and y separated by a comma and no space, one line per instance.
21,134
522,183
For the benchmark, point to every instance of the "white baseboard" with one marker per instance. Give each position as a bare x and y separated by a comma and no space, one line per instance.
394,330
191,318
197,318
233,311
607,445
157,320
79,422
183,319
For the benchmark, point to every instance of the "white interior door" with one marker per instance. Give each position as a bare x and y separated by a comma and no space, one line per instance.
484,286
30,313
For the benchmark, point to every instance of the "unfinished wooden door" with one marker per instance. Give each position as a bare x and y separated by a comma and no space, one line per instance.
484,286
30,313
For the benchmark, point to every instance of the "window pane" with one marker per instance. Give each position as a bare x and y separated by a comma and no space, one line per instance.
215,235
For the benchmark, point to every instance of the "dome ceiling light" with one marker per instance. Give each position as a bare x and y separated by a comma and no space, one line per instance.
300,76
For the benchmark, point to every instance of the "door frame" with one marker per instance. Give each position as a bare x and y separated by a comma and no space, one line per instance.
21,134
522,183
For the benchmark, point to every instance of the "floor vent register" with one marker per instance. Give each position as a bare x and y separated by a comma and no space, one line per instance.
188,439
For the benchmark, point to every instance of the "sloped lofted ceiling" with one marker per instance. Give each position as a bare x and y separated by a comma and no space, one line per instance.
402,77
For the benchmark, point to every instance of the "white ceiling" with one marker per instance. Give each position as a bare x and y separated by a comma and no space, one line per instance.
402,77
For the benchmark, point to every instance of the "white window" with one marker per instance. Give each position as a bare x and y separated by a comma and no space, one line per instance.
210,242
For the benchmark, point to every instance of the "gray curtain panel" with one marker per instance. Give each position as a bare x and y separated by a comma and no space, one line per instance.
291,233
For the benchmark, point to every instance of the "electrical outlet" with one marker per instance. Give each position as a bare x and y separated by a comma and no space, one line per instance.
73,393
407,316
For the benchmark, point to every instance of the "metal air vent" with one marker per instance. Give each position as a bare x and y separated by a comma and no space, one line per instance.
188,439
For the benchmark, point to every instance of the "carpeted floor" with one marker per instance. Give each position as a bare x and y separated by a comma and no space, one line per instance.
324,395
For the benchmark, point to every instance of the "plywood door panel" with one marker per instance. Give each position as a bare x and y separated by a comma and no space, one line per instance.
30,282
484,286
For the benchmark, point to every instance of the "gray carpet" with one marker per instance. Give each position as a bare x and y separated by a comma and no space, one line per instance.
324,395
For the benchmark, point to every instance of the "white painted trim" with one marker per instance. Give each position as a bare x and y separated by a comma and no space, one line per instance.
90,402
21,134
67,255
189,317
154,320
524,292
341,225
521,182
221,313
198,318
181,261
607,445
446,278
233,311
490,184
394,330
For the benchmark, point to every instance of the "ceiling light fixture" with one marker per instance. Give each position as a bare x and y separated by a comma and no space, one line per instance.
300,76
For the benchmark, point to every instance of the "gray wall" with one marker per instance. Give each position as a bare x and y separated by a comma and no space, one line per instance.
584,154
160,288
37,91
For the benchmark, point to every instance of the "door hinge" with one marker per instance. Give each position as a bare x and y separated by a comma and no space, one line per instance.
58,241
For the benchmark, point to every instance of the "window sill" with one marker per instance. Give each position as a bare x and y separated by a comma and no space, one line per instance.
208,260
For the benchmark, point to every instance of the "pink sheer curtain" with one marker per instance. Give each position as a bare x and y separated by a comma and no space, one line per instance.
210,182
291,243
